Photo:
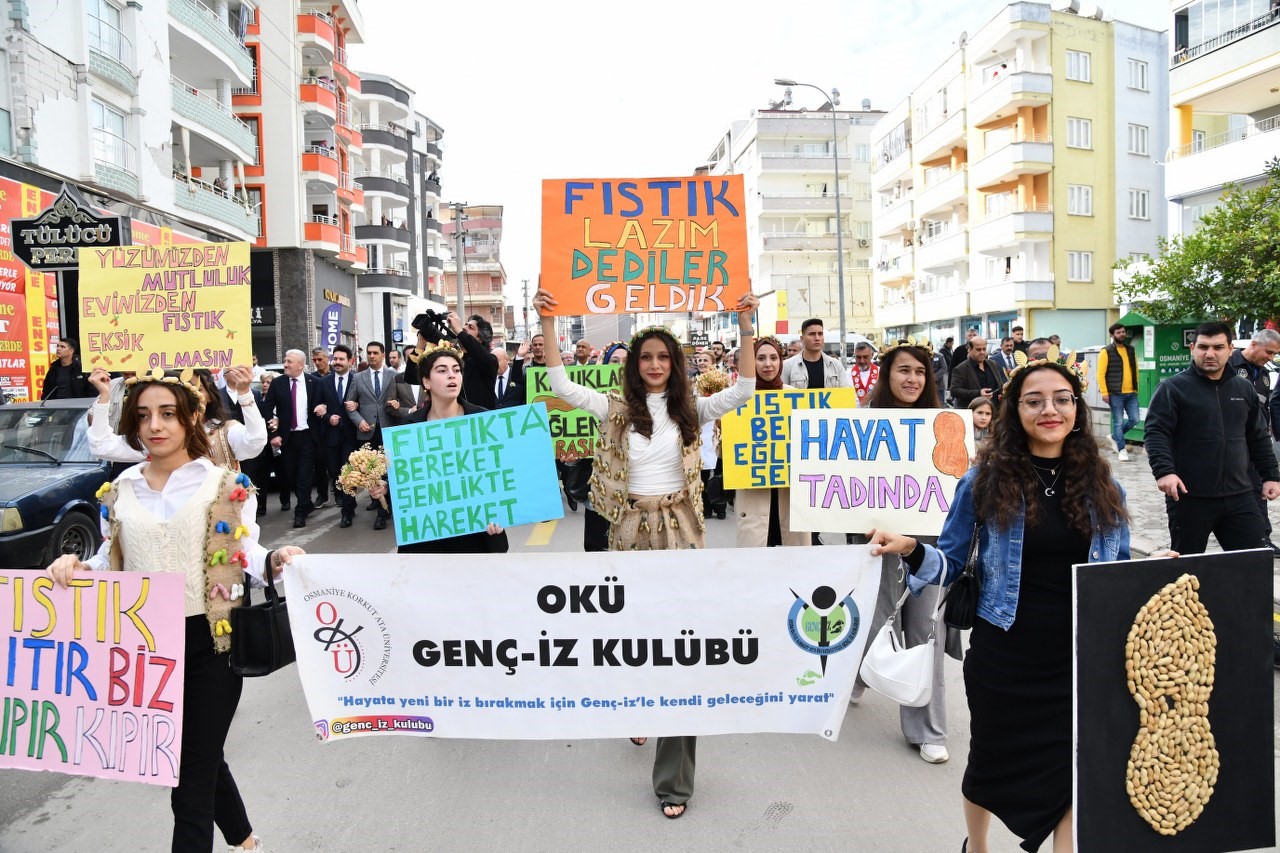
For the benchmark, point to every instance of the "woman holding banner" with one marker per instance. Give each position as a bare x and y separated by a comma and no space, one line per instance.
175,513
440,368
764,515
907,382
1040,499
648,473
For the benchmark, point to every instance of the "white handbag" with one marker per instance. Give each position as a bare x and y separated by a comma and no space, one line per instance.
903,674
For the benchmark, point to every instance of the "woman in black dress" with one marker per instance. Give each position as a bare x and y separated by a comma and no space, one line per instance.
441,371
1045,500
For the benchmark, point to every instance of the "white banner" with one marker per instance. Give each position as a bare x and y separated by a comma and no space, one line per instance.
890,469
600,645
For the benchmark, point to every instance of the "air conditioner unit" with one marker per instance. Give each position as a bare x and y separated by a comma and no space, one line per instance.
911,224
862,244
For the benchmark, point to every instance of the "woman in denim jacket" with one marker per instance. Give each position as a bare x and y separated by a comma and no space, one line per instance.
1045,500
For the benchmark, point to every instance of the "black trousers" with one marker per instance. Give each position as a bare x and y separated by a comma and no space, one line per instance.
206,794
322,476
336,456
1235,520
595,531
1256,479
298,452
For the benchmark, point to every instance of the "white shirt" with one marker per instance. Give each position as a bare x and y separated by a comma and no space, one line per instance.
502,383
300,413
245,439
655,466
180,488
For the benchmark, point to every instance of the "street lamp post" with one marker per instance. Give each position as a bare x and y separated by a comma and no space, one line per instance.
833,98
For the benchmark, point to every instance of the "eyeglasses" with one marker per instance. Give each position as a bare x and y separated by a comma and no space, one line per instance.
1035,405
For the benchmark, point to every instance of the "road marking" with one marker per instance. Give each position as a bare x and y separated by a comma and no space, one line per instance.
540,535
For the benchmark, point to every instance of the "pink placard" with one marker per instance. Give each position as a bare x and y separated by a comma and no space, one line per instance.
92,675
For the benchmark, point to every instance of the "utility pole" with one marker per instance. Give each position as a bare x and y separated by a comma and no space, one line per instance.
525,291
460,258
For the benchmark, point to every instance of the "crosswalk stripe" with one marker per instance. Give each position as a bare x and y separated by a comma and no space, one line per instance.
541,534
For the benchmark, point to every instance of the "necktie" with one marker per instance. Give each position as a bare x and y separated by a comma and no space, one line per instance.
501,386
340,398
377,383
293,407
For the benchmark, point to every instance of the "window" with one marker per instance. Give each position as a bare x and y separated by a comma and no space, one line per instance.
6,134
1078,66
1138,134
110,144
254,196
861,230
1198,211
104,30
1139,204
861,152
998,204
1079,266
1079,200
1197,141
1079,133
1137,74
861,192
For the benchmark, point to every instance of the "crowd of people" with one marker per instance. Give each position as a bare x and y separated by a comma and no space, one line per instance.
1039,497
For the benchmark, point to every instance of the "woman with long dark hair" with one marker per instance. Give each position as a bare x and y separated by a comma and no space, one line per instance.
648,474
1044,499
764,515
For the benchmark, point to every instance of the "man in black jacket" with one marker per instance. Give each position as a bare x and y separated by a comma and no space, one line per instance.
66,378
295,411
337,437
1204,432
1252,363
977,376
480,367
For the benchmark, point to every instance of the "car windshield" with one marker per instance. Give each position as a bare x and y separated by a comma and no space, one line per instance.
60,432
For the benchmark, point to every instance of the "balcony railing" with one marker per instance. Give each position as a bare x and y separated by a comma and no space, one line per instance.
1015,138
322,219
209,111
323,82
1185,54
992,216
348,244
385,128
315,13
323,150
105,38
382,173
340,56
1253,128
251,89
112,150
215,200
205,21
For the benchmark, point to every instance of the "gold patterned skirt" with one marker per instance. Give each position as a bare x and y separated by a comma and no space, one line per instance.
661,523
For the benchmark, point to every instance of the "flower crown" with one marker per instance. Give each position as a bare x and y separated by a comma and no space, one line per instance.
711,382
908,342
182,380
443,346
648,330
1080,370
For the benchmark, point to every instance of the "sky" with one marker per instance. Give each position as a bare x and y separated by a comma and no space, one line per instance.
601,88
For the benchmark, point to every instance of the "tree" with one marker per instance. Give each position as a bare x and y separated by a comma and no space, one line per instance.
1227,269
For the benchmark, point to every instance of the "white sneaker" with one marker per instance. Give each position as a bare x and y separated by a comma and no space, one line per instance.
934,753
256,848
1123,455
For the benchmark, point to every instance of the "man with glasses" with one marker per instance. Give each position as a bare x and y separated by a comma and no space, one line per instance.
1118,382
1210,450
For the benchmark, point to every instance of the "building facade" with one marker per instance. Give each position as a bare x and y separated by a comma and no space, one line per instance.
1012,178
479,266
1224,89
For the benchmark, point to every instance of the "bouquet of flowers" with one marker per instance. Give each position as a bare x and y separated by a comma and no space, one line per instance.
364,468
712,382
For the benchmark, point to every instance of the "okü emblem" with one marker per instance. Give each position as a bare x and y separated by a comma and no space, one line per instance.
1169,660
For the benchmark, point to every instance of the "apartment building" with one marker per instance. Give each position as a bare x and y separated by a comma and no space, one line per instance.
788,159
483,276
1224,89
1011,178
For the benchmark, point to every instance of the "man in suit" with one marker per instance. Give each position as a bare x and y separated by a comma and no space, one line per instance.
405,395
506,389
977,376
323,476
338,433
295,409
1006,354
366,407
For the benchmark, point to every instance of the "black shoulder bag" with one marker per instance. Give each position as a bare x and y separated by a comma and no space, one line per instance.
261,641
962,599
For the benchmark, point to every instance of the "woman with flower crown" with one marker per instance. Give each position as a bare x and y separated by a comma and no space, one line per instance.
648,473
179,512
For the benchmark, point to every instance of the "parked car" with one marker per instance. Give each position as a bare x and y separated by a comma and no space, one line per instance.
48,481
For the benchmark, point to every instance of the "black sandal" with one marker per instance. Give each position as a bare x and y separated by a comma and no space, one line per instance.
663,805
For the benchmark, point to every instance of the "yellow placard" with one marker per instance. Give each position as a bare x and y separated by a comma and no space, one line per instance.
167,306
755,441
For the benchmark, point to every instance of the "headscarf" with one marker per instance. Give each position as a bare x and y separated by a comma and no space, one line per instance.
612,348
776,383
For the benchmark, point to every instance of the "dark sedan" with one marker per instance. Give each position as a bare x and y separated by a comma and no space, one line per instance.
48,481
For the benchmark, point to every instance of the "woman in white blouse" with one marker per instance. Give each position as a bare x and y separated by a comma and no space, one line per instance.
230,441
647,479
159,514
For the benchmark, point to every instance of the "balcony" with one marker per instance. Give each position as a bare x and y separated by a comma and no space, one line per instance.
799,240
396,278
315,30
1008,294
893,218
1002,232
943,194
1251,42
1236,155
386,184
319,95
896,314
200,32
340,69
115,162
323,233
803,202
320,163
392,100
388,139
435,264
1031,154
900,268
350,192
434,151
346,126
434,224
943,305
943,250
1004,95
938,140
391,236
430,187
111,55
213,120
799,161
213,202
885,172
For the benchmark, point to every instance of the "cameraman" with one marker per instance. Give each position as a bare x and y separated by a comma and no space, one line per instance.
480,367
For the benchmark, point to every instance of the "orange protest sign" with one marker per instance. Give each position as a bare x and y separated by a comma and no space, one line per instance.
622,245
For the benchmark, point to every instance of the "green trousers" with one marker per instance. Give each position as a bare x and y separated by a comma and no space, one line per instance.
673,765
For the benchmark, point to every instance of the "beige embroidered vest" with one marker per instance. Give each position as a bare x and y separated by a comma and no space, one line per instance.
219,447
610,476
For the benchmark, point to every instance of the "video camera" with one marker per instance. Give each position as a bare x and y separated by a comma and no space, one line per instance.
434,326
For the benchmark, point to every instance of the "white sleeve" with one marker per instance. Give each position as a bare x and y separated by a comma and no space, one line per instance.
577,395
723,402
105,444
247,439
250,544
99,561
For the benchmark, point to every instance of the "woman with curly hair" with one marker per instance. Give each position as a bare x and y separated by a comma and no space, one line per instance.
764,515
647,481
1040,499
